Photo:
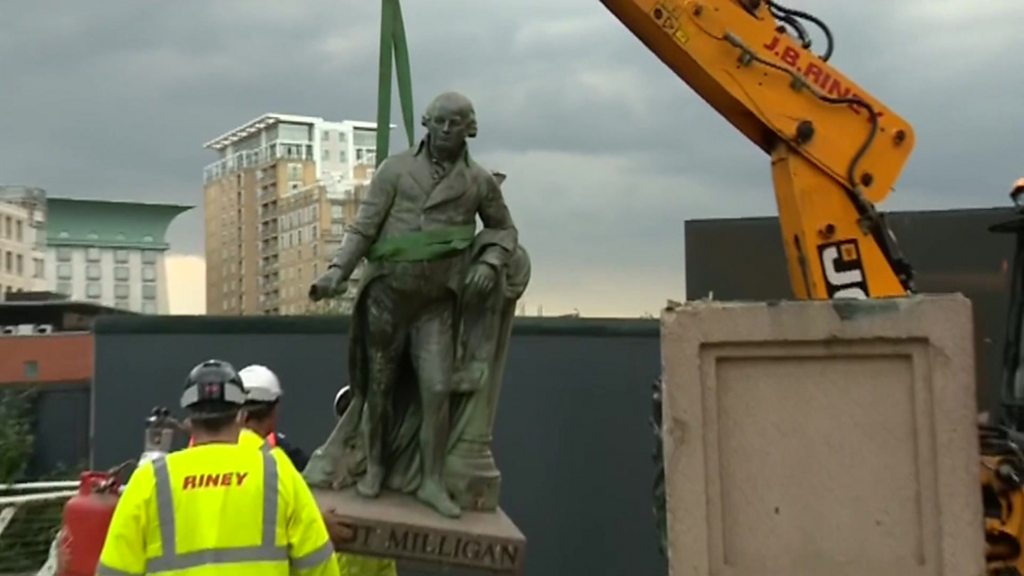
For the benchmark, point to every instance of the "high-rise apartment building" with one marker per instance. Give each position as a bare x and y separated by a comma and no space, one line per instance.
22,239
107,252
311,223
268,206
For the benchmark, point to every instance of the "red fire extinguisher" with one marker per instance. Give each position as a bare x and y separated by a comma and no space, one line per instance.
86,519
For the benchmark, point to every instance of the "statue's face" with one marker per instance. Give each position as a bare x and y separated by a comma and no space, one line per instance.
448,125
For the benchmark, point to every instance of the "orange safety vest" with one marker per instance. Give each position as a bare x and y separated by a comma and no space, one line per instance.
271,439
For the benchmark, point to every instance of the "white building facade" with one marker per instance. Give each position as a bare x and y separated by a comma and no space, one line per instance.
126,278
22,240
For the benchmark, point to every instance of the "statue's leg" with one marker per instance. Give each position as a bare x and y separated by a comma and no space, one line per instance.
433,355
383,341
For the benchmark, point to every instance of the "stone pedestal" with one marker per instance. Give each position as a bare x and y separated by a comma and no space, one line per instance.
828,437
398,526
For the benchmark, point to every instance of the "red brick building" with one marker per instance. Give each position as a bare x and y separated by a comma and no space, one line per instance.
46,347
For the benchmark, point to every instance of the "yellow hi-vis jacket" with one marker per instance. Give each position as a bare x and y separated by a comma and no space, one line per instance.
348,564
218,509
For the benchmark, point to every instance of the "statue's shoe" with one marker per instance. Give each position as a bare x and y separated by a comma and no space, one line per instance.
437,498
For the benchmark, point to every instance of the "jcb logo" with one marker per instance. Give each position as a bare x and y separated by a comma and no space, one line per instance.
843,270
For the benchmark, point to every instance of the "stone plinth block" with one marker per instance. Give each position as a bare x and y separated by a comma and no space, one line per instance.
400,527
822,437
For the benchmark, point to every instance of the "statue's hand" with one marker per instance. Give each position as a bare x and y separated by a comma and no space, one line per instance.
480,279
326,286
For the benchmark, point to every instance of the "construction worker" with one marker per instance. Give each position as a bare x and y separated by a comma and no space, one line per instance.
263,394
219,505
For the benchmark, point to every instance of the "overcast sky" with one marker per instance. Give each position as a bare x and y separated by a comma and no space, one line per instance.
607,152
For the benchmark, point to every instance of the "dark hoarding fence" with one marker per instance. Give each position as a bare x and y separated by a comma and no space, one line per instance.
572,439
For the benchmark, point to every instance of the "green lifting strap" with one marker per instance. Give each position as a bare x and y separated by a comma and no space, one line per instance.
422,245
392,45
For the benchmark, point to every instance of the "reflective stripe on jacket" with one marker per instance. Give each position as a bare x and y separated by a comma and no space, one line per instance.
218,508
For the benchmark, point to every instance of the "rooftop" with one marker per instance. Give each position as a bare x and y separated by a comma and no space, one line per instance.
62,315
267,120
82,222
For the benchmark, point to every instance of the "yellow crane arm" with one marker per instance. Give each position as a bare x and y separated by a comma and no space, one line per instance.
835,150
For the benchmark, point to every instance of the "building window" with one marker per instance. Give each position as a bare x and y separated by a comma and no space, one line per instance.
121,291
325,155
92,254
121,256
149,256
64,254
149,307
149,291
8,261
31,370
19,232
92,272
123,304
7,227
365,138
147,238
64,271
295,171
325,136
64,288
20,268
93,290
343,155
149,273
121,273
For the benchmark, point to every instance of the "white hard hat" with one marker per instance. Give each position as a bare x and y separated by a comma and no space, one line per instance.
261,385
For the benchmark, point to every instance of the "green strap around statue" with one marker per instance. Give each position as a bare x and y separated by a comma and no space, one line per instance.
392,44
422,245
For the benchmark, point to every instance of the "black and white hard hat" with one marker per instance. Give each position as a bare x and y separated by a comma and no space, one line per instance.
213,386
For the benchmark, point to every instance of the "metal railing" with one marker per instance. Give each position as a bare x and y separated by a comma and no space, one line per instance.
30,524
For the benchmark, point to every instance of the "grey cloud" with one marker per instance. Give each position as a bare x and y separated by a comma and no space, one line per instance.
114,98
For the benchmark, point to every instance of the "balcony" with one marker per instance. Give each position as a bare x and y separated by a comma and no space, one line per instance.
269,249
268,195
268,231
268,214
272,152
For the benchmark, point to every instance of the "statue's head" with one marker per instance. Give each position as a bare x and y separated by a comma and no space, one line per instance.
450,119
